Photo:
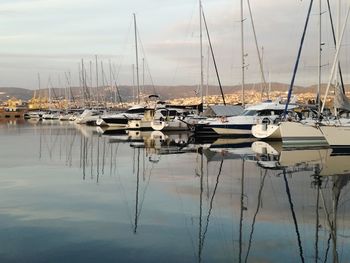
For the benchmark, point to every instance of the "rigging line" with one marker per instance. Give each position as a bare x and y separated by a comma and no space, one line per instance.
111,160
137,191
328,247
124,199
85,141
335,59
115,78
241,213
124,47
294,216
68,79
103,156
257,48
145,190
146,60
298,59
200,212
187,36
318,183
70,153
335,44
211,203
213,57
98,160
183,213
255,215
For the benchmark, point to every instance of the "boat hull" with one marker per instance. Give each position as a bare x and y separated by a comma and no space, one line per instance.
233,130
292,134
337,136
175,125
304,135
139,125
267,131
114,122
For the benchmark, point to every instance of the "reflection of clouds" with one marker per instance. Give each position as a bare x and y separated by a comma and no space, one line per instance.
275,206
54,203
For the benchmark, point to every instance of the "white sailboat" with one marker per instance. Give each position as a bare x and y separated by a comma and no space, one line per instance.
338,134
298,133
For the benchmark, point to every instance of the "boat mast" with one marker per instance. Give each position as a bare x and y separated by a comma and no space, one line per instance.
339,41
260,56
133,82
83,82
137,62
242,52
97,89
39,93
338,37
49,86
111,81
201,49
298,59
319,60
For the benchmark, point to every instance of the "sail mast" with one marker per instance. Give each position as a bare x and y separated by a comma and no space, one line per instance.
242,52
201,49
97,89
338,37
339,41
319,60
260,56
137,62
39,93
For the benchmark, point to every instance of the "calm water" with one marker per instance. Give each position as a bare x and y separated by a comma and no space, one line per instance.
72,194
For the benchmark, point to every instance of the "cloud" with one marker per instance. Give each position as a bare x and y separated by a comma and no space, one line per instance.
169,33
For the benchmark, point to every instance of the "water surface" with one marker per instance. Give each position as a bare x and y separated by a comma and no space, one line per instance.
70,193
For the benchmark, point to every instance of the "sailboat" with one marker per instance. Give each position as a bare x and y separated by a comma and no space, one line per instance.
337,133
241,125
317,132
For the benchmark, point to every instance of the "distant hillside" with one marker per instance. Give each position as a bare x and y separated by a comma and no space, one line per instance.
24,94
165,92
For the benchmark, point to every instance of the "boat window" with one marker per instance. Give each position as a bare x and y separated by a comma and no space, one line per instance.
173,113
249,113
270,112
138,110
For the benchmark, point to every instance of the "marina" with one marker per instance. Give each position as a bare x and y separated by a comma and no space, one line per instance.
165,132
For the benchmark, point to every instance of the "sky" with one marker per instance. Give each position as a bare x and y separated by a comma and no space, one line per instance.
51,37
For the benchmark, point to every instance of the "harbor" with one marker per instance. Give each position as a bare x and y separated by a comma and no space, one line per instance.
195,131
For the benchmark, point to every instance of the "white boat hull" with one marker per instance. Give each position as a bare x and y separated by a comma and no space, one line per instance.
139,125
228,131
298,134
175,125
292,134
266,131
336,136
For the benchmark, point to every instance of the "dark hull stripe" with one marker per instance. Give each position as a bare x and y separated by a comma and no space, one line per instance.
115,121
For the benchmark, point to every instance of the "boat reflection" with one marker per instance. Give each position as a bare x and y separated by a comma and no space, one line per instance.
239,197
274,156
330,175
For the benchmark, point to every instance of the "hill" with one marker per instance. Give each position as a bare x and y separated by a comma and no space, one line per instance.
165,92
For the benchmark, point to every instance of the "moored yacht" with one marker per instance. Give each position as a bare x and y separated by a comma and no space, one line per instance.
88,116
241,125
120,120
